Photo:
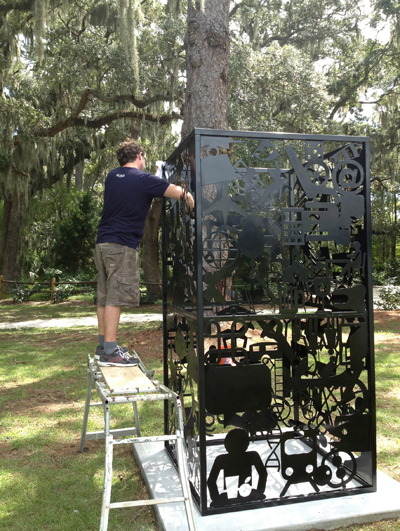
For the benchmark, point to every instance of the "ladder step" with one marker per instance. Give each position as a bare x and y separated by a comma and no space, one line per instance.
155,438
139,503
123,432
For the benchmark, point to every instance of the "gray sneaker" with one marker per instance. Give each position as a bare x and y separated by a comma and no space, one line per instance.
100,352
117,359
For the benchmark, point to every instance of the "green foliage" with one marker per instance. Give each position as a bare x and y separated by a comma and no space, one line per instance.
148,299
385,227
276,90
75,80
318,27
389,297
71,83
379,278
50,213
73,249
66,291
5,160
21,292
49,273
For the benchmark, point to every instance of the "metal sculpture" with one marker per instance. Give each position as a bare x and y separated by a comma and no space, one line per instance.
268,325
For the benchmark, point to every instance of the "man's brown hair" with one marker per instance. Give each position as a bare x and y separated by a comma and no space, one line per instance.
128,151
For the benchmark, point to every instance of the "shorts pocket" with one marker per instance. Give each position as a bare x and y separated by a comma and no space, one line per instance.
128,290
112,260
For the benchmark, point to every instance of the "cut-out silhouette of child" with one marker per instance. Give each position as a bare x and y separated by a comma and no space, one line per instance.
237,462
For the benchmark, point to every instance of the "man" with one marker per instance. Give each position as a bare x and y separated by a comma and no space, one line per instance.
128,194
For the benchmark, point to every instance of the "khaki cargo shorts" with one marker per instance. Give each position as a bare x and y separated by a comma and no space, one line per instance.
118,279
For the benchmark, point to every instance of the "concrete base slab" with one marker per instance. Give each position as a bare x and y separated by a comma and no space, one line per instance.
162,480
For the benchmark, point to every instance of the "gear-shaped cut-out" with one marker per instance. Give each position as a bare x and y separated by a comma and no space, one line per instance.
345,469
348,176
219,249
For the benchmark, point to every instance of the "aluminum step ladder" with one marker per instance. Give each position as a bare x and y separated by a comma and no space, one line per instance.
122,385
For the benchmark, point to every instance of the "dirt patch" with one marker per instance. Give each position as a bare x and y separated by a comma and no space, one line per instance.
147,343
144,308
10,302
55,451
386,315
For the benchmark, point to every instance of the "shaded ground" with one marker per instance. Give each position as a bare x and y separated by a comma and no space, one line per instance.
386,315
147,343
54,398
47,400
32,310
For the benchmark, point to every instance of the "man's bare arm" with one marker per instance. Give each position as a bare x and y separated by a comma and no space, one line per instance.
178,193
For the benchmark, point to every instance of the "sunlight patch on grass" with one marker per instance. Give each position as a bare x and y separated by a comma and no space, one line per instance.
385,336
392,393
46,485
32,311
388,444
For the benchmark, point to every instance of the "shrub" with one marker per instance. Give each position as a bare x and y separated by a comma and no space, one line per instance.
389,297
21,292
63,292
75,244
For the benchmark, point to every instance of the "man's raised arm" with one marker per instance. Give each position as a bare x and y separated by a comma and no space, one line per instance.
178,193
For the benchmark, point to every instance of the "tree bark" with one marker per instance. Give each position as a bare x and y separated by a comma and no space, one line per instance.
15,208
150,250
207,66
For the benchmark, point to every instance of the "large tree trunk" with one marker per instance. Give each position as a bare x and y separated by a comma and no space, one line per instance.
207,65
15,208
150,250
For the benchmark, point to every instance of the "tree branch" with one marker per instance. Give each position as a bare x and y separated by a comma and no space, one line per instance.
381,181
75,121
140,104
393,90
351,90
102,121
22,5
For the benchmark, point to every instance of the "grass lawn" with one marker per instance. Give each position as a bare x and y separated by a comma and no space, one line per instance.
83,307
46,485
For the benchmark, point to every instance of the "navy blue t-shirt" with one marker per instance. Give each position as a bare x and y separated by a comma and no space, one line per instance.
128,194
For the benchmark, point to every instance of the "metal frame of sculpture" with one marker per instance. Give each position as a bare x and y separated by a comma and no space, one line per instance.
268,322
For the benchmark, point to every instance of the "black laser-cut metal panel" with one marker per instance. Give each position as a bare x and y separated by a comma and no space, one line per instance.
268,317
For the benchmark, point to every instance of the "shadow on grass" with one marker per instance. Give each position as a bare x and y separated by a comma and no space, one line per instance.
30,311
62,492
45,484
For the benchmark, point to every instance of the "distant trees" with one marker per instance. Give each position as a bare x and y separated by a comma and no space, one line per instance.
71,85
77,77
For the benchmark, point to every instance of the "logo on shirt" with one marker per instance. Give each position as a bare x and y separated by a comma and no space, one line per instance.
120,174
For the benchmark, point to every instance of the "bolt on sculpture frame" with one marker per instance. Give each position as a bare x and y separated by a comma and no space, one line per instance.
268,317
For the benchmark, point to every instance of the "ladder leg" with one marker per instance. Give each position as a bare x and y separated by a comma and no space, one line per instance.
182,470
137,420
105,505
87,408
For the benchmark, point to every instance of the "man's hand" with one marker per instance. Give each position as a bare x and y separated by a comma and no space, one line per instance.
189,202
178,193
